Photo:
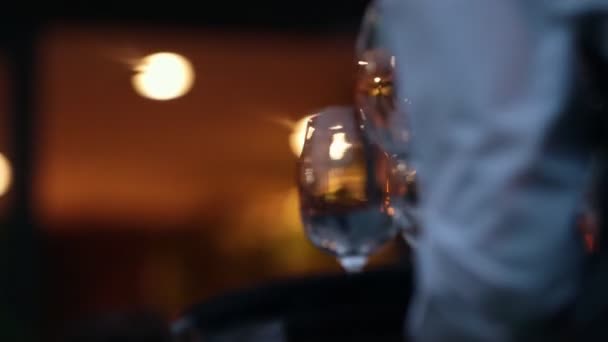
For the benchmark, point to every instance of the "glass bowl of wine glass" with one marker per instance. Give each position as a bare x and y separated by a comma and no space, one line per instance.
344,186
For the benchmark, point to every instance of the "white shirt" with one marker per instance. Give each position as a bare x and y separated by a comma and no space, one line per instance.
501,162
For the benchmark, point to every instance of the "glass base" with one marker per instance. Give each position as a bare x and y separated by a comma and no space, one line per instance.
353,264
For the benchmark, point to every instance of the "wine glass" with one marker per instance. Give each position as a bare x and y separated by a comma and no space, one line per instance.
375,93
385,117
343,182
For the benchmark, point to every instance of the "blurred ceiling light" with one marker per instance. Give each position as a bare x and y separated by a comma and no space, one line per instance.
338,146
6,175
363,63
163,76
297,137
377,79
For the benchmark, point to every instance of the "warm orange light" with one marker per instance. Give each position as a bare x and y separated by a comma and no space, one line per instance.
163,76
6,175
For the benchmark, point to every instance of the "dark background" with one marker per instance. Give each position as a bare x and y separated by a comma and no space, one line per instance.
121,203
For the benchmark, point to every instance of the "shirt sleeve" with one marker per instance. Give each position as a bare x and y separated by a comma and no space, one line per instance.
501,159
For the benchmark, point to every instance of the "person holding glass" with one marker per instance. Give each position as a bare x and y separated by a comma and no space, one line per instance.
503,133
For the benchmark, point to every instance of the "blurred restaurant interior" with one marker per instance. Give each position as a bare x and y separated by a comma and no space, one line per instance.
157,203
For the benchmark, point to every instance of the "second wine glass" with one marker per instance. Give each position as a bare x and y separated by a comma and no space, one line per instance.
384,114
